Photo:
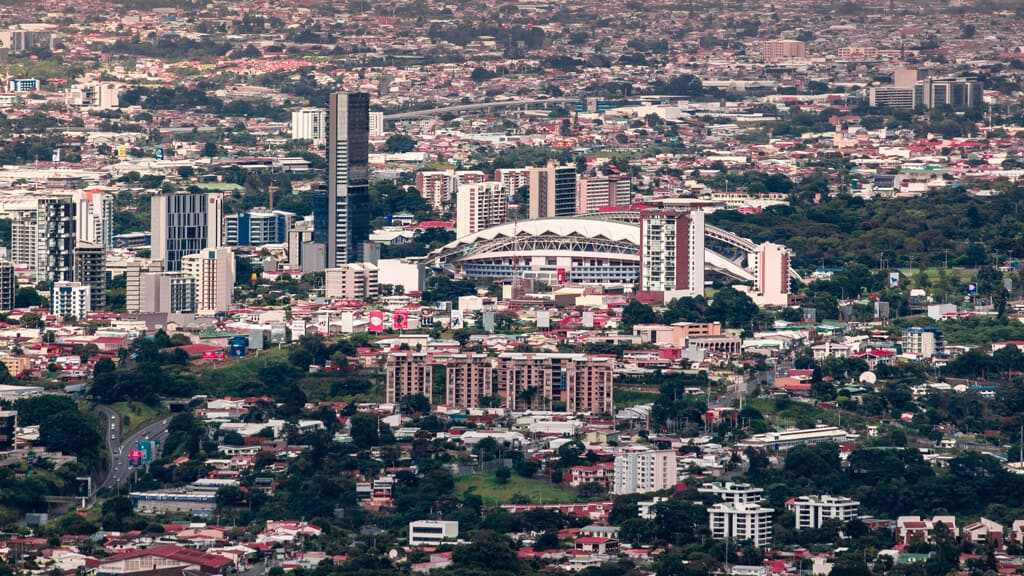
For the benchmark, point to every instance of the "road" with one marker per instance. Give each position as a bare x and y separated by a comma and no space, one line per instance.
118,471
478,106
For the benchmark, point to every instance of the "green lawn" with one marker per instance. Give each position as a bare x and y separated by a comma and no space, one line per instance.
229,373
624,397
137,414
538,491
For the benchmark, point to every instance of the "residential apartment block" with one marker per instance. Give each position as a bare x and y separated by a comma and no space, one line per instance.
352,282
407,374
747,521
813,511
638,471
468,379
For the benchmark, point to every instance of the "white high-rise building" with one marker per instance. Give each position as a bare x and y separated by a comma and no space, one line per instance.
95,95
749,521
672,252
183,223
376,124
70,299
813,511
735,492
640,471
214,272
771,271
479,206
310,124
24,237
95,213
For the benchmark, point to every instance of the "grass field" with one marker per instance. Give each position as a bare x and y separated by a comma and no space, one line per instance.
228,373
492,493
624,397
138,415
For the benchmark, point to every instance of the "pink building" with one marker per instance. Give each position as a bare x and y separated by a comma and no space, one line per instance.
408,373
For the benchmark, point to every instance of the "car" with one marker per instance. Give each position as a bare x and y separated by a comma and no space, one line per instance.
113,426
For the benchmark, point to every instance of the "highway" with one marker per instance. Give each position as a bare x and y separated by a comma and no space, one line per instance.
118,471
478,106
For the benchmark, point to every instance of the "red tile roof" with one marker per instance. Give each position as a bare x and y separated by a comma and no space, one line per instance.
173,552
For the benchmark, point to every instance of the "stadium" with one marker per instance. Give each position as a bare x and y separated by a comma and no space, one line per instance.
599,248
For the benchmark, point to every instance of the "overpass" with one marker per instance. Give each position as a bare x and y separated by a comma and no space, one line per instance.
521,103
714,259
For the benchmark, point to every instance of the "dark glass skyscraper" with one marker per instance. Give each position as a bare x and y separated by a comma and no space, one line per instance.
348,195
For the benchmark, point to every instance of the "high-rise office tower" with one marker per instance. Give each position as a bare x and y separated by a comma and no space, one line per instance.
24,237
95,215
56,234
672,252
552,191
90,268
183,223
348,174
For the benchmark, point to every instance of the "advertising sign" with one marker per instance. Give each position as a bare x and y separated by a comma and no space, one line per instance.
377,321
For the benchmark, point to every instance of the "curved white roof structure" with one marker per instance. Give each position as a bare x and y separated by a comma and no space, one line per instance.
596,250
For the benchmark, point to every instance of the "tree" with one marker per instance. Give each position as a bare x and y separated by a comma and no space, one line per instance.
32,320
70,432
526,468
34,410
366,430
210,150
502,475
399,143
547,541
488,553
732,308
414,404
569,453
27,297
637,313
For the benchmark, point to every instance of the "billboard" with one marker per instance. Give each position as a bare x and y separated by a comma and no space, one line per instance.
146,447
426,317
135,457
456,322
894,279
561,275
376,321
213,355
400,320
